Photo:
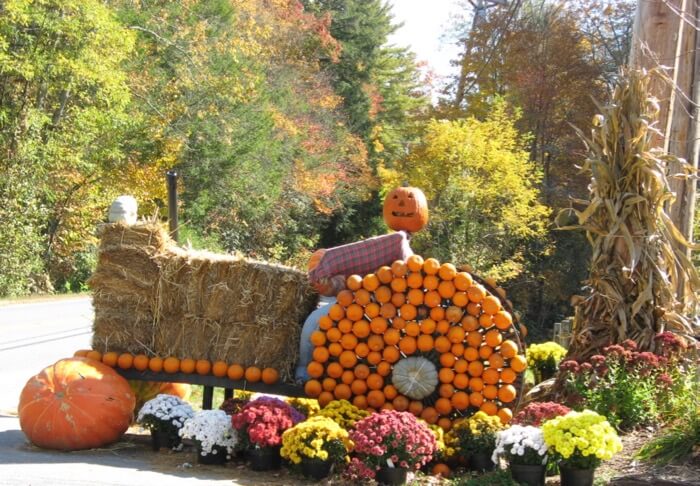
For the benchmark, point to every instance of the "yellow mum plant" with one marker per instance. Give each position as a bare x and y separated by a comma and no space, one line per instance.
545,357
343,412
473,434
308,406
439,433
316,438
581,440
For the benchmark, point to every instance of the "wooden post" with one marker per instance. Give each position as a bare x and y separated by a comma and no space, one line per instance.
665,33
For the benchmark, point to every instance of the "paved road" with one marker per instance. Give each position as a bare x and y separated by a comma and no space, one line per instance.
35,335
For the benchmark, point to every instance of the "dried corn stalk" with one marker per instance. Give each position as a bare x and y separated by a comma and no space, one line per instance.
638,254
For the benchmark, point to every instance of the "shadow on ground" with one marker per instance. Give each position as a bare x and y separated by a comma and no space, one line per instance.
131,455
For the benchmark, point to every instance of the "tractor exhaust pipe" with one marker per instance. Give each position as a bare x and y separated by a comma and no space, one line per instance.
172,203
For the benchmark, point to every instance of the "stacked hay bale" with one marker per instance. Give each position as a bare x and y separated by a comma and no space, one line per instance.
153,297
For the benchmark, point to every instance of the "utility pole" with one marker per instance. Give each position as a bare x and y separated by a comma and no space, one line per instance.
666,34
480,9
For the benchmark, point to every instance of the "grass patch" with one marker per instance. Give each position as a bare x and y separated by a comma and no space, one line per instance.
499,477
676,442
198,394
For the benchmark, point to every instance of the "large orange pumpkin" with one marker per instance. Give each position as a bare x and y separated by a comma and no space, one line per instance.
76,403
147,390
405,208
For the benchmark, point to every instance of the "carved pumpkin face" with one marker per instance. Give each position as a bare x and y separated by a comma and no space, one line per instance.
405,208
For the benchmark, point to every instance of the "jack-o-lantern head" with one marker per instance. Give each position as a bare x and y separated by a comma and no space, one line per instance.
405,208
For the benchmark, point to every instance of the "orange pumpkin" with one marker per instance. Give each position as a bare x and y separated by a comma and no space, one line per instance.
76,403
147,390
325,287
405,208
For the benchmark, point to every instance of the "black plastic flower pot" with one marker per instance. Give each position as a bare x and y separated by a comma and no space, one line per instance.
575,477
316,468
481,461
392,475
528,474
265,458
217,456
160,438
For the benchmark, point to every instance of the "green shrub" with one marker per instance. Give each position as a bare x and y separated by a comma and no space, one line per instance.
633,388
496,478
676,442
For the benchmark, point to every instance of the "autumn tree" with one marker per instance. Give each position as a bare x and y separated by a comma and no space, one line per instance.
607,28
483,192
551,60
63,99
383,97
239,104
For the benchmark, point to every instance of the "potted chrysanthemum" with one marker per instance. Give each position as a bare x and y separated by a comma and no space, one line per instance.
212,432
535,413
474,439
343,412
438,465
388,444
580,441
544,358
316,445
307,406
526,452
164,416
261,423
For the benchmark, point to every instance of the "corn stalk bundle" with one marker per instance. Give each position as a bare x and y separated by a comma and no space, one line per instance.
639,256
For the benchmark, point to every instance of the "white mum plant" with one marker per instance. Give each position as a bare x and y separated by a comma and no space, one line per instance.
165,412
211,428
521,445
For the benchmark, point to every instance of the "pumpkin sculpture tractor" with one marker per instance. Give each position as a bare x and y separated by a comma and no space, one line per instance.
415,335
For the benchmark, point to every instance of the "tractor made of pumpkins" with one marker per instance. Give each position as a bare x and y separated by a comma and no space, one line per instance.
418,335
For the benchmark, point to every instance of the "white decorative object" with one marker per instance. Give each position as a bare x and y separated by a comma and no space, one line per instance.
211,428
165,408
124,209
524,441
415,377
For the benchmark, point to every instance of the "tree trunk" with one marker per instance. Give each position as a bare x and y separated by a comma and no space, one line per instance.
665,34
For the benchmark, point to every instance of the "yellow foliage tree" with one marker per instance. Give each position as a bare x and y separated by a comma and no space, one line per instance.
482,190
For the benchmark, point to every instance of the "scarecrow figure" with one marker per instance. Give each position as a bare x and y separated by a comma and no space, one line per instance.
406,212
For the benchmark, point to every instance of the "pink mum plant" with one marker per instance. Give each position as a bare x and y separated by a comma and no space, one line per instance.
262,421
390,437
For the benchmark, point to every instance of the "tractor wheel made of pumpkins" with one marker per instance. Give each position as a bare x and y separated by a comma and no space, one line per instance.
423,337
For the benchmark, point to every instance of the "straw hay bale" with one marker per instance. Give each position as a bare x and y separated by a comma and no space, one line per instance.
153,297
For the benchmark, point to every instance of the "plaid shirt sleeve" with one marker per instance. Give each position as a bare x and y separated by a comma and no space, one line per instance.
362,257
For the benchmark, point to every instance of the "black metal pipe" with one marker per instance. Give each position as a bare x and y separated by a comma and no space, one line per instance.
172,203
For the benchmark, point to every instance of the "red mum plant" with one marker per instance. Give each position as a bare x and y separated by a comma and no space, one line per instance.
390,438
630,387
261,422
537,412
